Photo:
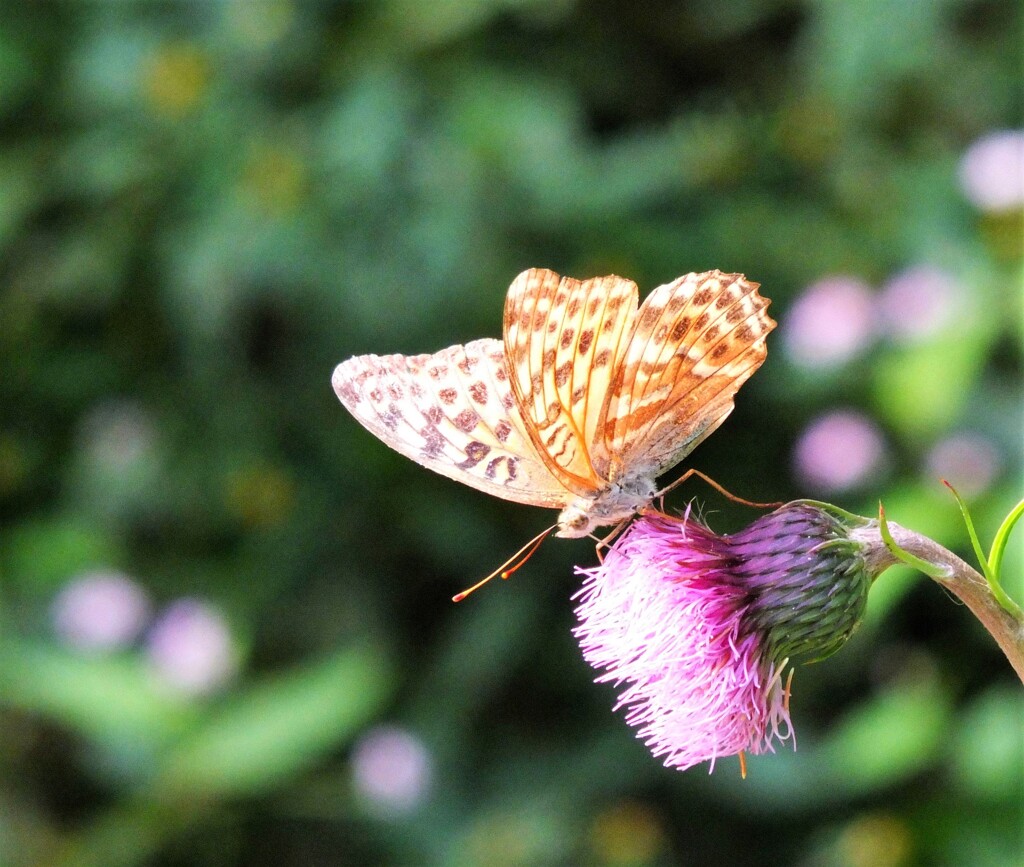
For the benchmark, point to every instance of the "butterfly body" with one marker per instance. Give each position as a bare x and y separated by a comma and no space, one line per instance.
586,400
617,502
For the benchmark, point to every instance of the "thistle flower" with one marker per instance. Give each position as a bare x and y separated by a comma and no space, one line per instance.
698,629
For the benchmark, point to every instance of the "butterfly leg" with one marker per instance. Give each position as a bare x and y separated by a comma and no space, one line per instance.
710,481
606,542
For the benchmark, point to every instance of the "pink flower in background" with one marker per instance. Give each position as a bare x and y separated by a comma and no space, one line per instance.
391,769
100,611
919,302
968,461
992,171
830,323
839,451
190,648
696,630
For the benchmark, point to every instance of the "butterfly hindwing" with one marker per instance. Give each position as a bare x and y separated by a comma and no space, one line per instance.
454,413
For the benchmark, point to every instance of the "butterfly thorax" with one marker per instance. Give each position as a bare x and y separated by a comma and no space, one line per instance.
616,502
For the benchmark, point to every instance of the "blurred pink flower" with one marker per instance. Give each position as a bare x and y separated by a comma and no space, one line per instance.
100,611
968,461
190,648
992,171
391,769
697,629
919,302
830,323
839,451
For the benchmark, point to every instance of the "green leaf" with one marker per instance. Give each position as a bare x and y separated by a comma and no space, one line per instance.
929,569
922,389
277,728
992,574
42,553
988,752
890,739
995,557
111,699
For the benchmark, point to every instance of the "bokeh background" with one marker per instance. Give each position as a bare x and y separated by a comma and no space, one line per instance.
225,628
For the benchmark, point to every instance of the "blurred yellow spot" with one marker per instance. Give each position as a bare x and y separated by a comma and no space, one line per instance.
260,496
505,841
175,79
628,833
809,130
275,178
1004,234
875,840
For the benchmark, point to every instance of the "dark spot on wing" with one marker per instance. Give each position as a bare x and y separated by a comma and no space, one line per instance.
466,420
478,391
475,452
348,393
433,442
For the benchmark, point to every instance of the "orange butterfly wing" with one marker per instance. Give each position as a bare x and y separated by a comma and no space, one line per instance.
694,342
562,337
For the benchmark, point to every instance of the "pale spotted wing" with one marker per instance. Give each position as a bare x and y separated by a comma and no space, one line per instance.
454,413
694,342
562,337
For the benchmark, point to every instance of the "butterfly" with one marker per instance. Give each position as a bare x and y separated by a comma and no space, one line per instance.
586,401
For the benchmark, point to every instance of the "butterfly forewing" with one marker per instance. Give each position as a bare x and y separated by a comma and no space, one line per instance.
695,341
453,412
562,337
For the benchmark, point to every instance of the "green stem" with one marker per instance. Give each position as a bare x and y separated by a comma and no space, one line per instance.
955,575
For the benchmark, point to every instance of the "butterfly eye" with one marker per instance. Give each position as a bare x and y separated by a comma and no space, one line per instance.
573,523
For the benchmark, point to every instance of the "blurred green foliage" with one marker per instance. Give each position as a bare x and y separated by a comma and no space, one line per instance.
205,206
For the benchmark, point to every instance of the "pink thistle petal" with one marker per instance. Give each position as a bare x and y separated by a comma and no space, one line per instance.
661,617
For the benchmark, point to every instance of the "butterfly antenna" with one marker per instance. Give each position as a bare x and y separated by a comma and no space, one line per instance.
728,495
505,569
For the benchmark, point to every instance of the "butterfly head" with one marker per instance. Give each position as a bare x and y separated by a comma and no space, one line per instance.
615,503
574,522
